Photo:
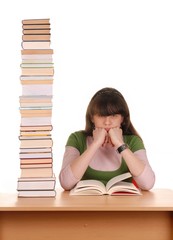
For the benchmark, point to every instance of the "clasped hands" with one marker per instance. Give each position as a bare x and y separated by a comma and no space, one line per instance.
111,136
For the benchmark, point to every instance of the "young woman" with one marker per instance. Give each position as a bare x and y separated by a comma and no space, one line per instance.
108,146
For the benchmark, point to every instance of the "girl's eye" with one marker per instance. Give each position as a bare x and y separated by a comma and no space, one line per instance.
116,116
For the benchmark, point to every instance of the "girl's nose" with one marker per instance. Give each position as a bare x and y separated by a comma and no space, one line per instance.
107,120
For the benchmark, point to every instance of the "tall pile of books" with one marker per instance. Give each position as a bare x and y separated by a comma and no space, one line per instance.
37,178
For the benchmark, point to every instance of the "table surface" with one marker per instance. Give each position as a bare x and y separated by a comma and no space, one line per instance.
154,200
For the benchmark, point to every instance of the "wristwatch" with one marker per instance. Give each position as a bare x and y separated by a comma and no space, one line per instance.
122,148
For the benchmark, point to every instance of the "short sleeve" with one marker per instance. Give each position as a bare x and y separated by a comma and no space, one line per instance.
135,143
78,141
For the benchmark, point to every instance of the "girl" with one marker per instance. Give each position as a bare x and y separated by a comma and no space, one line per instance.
108,146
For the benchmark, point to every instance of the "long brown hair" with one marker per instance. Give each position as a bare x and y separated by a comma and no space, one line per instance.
105,102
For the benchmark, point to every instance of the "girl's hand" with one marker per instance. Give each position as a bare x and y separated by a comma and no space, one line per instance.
116,136
99,135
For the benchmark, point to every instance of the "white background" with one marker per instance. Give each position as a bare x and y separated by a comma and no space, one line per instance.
127,45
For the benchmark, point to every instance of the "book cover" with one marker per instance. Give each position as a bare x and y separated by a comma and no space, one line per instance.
37,71
34,112
36,143
36,31
24,161
44,183
36,98
36,51
36,21
36,37
29,59
41,127
37,89
36,26
37,193
36,56
36,150
37,65
35,133
36,44
36,172
35,165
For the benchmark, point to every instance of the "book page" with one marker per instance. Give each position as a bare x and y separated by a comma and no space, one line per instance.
117,179
124,188
87,192
88,185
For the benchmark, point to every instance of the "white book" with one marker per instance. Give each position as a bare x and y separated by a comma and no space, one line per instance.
35,133
35,150
36,121
36,183
37,61
34,137
37,77
35,193
35,44
38,105
36,56
37,89
35,155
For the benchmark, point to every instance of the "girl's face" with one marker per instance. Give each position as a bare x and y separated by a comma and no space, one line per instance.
107,122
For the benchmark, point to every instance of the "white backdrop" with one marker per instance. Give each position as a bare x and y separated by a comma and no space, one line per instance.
126,44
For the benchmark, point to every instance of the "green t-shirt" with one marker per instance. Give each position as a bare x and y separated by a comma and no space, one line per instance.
78,140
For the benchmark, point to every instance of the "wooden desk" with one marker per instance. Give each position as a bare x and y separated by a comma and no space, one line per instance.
149,216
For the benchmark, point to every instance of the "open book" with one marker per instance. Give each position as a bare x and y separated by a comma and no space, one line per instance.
115,186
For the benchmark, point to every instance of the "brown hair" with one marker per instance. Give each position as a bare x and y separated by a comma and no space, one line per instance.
105,102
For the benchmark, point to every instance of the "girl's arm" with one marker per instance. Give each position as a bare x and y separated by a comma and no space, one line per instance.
137,162
75,165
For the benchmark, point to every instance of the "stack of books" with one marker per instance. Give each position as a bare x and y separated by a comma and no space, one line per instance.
37,178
